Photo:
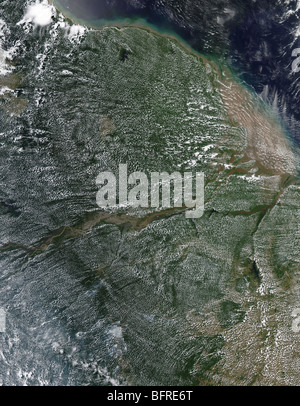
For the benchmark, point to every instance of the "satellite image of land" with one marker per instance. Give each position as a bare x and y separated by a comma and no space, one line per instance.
149,295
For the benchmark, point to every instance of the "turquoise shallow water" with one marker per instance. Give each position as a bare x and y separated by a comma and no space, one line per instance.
98,14
81,15
96,302
248,35
93,10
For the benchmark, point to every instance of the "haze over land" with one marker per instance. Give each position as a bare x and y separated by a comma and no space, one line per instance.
140,296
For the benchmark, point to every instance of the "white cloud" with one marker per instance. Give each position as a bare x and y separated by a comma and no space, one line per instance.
40,14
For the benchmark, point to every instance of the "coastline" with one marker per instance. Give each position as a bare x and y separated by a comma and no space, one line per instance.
138,23
226,79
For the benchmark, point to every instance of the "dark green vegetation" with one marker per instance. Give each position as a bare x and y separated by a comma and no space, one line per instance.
146,299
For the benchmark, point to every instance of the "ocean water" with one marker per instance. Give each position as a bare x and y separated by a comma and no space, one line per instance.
256,38
109,301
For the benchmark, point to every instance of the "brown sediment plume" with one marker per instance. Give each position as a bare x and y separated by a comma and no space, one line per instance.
266,142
